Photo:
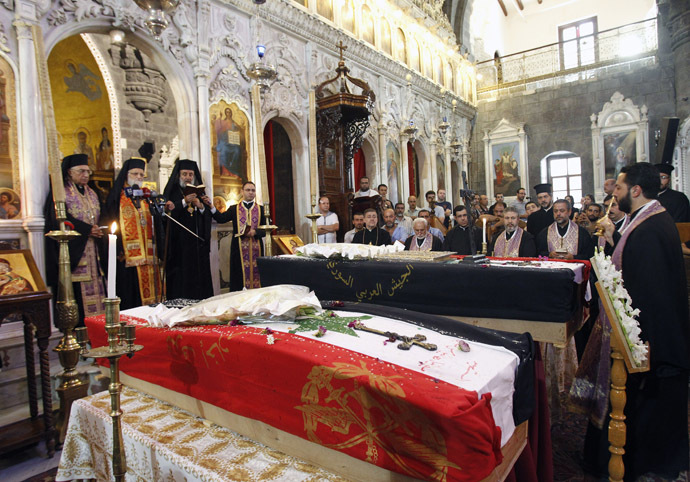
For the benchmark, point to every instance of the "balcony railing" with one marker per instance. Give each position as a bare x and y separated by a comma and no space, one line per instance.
552,65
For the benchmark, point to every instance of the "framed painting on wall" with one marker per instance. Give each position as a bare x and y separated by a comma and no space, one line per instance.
18,273
505,152
620,137
230,148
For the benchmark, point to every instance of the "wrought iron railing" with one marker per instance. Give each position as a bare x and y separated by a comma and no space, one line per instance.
551,64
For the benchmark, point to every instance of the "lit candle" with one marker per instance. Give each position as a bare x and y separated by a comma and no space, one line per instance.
313,167
112,239
484,230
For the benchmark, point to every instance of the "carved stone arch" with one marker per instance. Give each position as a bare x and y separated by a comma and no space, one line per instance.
179,80
297,133
371,159
422,148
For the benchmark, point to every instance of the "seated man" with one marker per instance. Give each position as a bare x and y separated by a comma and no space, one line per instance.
413,212
463,238
563,239
531,207
401,219
424,213
372,234
422,240
499,199
398,233
588,218
513,242
358,223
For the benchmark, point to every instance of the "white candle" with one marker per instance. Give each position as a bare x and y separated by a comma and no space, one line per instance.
484,230
112,240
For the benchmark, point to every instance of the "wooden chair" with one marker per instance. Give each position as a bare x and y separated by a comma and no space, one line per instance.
683,231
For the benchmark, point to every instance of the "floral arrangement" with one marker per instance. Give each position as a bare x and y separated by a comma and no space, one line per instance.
612,281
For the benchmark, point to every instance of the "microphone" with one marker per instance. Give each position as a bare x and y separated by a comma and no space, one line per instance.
137,191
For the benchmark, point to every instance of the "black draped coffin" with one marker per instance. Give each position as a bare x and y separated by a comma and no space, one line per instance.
547,295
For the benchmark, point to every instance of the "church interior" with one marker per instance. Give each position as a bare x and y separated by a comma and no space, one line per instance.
466,96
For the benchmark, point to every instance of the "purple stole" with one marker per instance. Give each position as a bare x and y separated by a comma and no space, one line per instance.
567,242
88,272
590,388
426,245
250,248
652,208
508,249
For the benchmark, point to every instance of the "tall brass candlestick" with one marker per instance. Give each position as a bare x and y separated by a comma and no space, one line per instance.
313,217
120,342
268,228
67,316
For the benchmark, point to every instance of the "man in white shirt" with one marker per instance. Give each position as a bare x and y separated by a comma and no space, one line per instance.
364,190
439,212
328,223
358,223
401,219
414,210
520,203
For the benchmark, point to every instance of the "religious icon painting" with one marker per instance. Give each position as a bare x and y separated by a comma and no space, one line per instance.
506,167
10,204
229,140
441,171
620,150
18,273
394,173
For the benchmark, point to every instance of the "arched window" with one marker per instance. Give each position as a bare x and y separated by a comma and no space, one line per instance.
563,170
438,69
426,60
386,44
347,16
367,25
400,46
414,55
325,9
449,76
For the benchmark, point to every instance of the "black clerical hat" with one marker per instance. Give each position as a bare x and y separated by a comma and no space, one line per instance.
147,150
187,164
71,161
664,168
540,188
134,163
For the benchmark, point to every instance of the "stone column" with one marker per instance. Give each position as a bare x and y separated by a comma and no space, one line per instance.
33,165
383,165
678,23
405,188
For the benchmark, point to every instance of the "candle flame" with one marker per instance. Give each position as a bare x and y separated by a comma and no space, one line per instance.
113,227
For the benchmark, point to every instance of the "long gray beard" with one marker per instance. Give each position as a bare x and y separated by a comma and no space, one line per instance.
183,184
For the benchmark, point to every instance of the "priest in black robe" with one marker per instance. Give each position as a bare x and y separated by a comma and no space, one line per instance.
675,202
372,234
563,239
525,249
247,243
542,218
187,257
464,238
648,253
86,252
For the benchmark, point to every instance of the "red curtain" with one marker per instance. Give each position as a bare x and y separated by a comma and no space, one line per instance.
360,167
411,169
268,148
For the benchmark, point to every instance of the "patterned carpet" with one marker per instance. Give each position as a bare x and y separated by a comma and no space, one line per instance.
567,435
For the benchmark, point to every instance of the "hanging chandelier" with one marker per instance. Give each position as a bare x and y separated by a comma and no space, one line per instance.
156,22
